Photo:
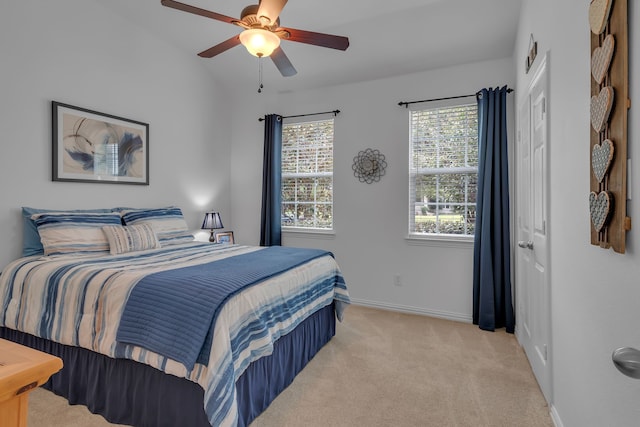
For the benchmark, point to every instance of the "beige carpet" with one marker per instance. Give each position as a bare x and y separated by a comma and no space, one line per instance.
387,369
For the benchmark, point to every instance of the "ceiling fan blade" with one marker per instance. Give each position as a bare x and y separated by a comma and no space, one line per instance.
219,48
317,39
198,11
270,9
282,63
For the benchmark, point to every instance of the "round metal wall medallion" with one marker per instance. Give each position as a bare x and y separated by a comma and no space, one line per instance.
369,165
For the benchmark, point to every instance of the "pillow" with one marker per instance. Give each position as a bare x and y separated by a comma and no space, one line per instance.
73,232
130,238
168,223
31,244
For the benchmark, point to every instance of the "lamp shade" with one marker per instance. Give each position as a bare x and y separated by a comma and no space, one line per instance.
259,42
212,221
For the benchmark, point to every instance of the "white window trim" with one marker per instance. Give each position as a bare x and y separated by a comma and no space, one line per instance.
317,233
440,240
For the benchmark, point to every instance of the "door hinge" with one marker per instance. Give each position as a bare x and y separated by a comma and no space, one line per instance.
544,349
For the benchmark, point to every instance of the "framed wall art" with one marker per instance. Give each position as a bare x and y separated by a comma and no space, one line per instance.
89,146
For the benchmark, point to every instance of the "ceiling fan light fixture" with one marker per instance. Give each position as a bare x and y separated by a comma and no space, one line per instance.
259,42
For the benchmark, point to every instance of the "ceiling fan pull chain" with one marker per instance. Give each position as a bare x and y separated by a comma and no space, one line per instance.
260,86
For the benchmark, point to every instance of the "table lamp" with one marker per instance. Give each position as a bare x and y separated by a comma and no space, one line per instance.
212,222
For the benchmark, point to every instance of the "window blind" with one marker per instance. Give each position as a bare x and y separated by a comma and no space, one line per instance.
307,174
443,167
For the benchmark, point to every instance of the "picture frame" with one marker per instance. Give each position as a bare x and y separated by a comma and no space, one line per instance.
225,237
89,146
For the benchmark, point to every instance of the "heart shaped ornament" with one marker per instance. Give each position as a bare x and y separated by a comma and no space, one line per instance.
600,208
601,58
599,15
601,105
601,157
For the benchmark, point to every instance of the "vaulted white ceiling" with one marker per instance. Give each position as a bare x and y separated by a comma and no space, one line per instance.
387,38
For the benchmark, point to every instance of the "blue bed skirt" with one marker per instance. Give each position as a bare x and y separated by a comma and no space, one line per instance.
128,392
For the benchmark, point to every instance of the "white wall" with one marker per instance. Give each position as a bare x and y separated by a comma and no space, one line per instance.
595,293
371,221
77,52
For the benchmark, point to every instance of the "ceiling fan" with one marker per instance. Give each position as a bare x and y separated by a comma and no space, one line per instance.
262,33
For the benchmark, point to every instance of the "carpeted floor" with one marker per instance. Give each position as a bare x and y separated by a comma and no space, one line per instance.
387,369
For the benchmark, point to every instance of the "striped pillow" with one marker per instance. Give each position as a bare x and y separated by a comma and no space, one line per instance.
130,238
74,233
31,244
168,224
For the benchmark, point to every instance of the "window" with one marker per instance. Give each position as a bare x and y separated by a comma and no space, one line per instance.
307,175
443,168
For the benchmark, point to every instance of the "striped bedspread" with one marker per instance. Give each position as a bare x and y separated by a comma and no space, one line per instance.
79,301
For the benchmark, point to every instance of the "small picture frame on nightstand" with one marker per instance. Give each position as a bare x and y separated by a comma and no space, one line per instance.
225,237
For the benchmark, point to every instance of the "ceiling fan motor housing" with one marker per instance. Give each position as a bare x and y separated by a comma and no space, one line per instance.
249,16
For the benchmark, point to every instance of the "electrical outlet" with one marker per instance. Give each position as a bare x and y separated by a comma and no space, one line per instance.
397,280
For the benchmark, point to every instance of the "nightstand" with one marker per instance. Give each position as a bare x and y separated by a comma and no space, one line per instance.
21,370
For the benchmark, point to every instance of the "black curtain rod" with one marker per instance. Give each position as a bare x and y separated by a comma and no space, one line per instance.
335,113
406,104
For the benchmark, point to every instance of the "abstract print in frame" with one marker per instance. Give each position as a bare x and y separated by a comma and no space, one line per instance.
89,146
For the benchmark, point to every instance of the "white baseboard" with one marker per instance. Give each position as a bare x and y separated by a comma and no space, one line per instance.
413,310
555,417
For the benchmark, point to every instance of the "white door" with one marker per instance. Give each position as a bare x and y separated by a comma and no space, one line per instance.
533,320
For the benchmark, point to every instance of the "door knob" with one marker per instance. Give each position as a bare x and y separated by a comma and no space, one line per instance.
627,360
527,245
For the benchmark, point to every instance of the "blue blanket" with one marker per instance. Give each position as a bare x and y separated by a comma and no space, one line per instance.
172,312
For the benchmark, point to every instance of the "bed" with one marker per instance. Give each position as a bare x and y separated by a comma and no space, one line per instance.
158,330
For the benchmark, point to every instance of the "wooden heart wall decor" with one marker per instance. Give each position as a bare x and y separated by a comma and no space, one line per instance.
600,208
599,15
608,107
601,58
601,157
601,105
